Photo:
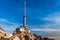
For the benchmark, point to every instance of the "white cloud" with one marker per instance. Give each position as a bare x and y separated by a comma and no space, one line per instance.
52,26
53,18
8,26
53,21
45,29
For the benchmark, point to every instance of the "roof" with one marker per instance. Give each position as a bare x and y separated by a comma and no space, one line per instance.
1,29
24,27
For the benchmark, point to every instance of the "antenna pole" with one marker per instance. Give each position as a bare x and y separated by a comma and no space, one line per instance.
24,17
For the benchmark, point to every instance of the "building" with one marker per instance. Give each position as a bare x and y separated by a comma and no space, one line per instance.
24,34
21,29
3,35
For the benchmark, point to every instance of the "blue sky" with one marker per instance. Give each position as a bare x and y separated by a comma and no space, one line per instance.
42,15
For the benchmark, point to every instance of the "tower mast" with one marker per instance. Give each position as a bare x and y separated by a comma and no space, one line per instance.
24,17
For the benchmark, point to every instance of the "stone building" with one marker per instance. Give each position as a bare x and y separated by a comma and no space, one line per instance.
24,34
3,35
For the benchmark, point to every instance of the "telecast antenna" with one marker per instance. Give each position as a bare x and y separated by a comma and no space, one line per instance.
24,17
